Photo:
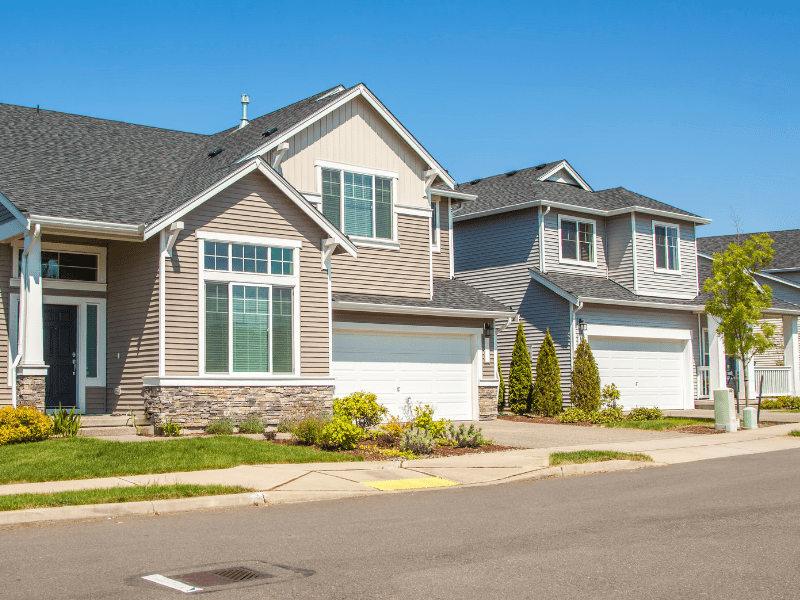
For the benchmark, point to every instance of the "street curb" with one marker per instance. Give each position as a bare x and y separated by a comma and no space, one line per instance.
606,466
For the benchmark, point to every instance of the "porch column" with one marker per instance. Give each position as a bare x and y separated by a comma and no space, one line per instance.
32,369
790,352
751,379
716,357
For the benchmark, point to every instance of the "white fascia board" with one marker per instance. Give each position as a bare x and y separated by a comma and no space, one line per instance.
780,280
359,90
568,167
11,207
658,213
452,194
699,308
413,211
420,310
781,311
86,225
572,299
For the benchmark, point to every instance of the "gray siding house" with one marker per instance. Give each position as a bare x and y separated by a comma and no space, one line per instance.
612,266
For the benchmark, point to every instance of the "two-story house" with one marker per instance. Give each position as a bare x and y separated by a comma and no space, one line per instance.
612,266
265,268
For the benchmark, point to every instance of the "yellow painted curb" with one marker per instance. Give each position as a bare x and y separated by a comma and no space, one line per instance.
409,484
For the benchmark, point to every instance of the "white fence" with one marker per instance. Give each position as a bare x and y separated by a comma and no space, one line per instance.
777,380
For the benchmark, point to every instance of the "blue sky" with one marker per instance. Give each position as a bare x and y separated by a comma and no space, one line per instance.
694,104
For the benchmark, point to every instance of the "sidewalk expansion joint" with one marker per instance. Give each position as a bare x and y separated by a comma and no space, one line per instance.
275,487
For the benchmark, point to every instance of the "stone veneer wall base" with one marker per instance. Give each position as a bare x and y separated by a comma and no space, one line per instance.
30,391
487,403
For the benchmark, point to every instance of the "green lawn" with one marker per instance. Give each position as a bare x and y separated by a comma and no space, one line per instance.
85,458
587,456
660,424
114,495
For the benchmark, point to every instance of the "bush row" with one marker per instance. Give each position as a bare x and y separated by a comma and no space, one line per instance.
785,402
609,415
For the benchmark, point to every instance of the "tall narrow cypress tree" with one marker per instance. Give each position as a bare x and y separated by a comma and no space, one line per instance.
585,379
501,391
547,385
519,377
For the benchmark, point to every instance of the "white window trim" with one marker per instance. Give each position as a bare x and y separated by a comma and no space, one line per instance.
656,269
100,251
292,281
231,238
436,225
360,241
82,381
571,261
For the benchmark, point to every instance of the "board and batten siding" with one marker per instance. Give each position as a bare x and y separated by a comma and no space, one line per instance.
5,299
619,250
660,284
441,259
403,271
354,134
539,310
504,239
552,242
131,321
251,206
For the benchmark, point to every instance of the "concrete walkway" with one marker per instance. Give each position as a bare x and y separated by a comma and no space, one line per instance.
277,484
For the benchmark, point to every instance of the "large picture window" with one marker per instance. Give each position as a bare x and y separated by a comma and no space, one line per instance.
577,240
665,240
247,258
71,266
358,204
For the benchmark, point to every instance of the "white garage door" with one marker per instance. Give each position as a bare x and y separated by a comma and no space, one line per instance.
648,373
429,369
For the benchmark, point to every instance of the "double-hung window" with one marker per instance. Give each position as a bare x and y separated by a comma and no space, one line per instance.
435,224
359,204
665,243
249,293
577,240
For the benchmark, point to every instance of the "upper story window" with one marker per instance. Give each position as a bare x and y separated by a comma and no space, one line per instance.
435,224
70,266
359,204
247,258
577,240
665,241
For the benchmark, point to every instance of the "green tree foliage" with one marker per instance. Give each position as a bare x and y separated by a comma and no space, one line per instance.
519,377
501,392
737,300
546,395
585,379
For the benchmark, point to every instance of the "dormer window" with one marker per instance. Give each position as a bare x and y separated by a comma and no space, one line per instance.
360,204
577,240
665,244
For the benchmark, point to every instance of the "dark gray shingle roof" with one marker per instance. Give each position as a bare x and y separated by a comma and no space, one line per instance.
447,293
501,191
786,245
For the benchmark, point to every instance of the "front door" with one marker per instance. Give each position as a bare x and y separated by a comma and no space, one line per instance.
60,354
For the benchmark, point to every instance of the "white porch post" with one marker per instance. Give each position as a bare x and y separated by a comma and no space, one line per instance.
32,363
790,352
751,379
716,357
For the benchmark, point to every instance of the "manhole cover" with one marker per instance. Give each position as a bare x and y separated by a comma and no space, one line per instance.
220,576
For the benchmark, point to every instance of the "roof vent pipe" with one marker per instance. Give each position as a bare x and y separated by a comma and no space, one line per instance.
245,102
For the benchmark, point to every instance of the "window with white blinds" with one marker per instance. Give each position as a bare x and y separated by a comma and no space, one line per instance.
358,204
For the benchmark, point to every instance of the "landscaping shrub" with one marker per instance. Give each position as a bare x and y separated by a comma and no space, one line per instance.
170,429
782,402
341,433
309,430
607,415
361,408
66,424
418,441
223,426
252,423
501,391
546,394
585,379
393,427
610,395
423,419
462,437
572,415
23,424
519,377
645,414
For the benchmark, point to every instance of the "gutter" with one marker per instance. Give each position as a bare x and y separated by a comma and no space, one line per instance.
421,310
95,226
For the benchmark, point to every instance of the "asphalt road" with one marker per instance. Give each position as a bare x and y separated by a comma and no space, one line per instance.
725,528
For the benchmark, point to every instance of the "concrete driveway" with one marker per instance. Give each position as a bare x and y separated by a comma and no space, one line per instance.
538,435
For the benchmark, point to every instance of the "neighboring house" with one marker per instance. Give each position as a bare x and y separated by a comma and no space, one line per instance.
781,375
613,266
265,268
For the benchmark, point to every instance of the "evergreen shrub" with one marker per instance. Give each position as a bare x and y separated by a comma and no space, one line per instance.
519,377
585,380
546,395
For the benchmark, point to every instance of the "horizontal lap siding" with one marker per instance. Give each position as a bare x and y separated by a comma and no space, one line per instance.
773,356
95,400
782,291
5,298
132,321
441,259
252,206
356,135
389,272
539,310
507,238
665,285
619,250
552,242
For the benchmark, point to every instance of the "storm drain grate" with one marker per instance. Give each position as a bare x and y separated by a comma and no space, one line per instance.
220,576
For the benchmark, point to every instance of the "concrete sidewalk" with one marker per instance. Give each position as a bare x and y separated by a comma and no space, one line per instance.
277,484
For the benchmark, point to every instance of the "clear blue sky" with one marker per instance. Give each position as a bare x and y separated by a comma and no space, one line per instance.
693,103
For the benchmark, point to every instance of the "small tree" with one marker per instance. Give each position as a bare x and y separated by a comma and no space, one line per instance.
547,385
585,379
737,300
501,391
519,377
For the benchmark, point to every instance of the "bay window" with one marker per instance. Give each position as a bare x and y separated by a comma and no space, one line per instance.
665,242
359,204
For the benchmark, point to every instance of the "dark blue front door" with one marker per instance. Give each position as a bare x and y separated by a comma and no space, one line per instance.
60,354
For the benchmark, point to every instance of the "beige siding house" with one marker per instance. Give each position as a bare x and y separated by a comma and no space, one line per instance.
302,255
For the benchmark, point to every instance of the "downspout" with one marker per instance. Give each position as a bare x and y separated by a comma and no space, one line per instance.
23,312
542,260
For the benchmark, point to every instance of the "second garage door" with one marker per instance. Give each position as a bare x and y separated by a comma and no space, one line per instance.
429,369
648,373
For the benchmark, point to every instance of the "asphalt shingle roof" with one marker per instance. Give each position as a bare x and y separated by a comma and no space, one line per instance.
786,245
501,191
71,166
447,293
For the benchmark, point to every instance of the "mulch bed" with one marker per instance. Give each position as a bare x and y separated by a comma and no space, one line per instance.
535,419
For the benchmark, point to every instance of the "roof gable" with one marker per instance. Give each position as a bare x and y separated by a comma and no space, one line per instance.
786,244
